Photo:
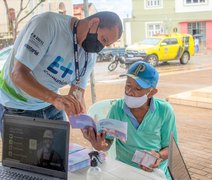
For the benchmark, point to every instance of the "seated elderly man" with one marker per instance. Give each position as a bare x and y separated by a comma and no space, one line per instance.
150,120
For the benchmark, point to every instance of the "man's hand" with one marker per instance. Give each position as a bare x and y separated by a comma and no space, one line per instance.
155,165
97,140
68,103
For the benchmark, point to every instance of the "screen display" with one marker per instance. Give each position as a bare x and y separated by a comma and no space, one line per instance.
35,145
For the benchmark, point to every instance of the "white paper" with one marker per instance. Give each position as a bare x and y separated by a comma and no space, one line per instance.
144,158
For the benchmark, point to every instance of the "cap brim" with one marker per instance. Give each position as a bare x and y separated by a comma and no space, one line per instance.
139,81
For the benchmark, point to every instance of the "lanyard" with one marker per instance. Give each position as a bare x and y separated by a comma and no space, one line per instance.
76,61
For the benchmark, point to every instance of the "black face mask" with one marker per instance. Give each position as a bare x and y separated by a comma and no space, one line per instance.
91,43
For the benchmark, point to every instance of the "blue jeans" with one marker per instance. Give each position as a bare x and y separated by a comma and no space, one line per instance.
49,112
196,48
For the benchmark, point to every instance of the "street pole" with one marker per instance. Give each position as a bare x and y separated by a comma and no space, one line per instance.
92,79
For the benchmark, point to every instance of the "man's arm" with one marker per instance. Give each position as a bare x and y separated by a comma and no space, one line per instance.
162,155
22,78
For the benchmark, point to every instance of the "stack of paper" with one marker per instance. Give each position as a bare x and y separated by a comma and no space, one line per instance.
79,158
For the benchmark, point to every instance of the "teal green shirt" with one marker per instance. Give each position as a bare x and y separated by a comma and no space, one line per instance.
151,135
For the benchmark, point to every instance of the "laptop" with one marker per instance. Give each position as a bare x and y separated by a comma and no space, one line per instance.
34,148
176,165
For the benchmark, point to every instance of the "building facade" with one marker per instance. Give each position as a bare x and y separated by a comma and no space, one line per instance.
60,6
6,25
151,17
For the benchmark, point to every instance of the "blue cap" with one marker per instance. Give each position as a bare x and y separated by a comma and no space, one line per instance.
144,74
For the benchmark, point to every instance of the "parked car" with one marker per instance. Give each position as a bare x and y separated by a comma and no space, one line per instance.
4,53
163,47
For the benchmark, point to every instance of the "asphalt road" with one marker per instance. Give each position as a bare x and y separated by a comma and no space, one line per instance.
197,62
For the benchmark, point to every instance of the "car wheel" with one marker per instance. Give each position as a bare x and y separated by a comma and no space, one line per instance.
185,58
152,59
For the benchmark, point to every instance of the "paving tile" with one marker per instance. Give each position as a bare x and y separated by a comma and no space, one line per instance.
197,171
199,177
209,170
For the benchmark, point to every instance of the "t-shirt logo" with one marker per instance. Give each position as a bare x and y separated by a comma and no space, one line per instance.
55,66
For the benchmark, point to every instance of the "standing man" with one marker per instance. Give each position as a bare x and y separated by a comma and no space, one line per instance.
196,43
53,51
150,120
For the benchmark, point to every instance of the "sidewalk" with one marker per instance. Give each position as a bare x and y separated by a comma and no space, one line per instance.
194,124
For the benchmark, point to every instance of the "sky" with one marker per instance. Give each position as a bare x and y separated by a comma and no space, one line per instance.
121,7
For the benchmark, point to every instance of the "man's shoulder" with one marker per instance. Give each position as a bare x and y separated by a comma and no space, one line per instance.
119,102
50,16
162,103
117,105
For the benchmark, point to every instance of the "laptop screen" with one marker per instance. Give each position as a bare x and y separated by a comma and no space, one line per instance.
36,145
176,164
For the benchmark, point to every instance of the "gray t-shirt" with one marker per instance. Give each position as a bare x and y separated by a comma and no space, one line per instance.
45,45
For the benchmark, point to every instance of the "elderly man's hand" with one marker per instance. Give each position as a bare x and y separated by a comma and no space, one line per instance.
152,166
97,140
69,104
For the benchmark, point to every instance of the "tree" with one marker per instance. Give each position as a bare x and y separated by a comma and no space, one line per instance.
14,20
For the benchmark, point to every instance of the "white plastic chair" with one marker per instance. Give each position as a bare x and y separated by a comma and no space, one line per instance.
100,110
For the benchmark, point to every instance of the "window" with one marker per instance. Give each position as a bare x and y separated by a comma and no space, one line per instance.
150,41
198,29
190,2
170,41
153,4
173,41
166,41
154,29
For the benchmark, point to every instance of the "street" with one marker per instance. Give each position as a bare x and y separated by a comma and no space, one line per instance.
199,61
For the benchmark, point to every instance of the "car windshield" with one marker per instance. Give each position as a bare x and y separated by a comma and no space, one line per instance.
150,41
4,54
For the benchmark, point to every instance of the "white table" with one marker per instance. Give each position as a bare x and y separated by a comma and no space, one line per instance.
116,170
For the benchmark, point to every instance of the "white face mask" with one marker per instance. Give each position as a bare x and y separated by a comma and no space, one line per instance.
135,102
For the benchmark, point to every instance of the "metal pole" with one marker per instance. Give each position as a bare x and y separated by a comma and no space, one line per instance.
92,78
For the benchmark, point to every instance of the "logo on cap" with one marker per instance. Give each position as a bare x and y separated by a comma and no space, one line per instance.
140,68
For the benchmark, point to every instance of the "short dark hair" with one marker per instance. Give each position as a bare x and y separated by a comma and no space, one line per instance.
108,20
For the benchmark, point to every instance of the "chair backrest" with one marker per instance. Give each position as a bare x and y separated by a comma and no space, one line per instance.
100,109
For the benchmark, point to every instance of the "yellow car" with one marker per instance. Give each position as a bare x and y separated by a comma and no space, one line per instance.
160,48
